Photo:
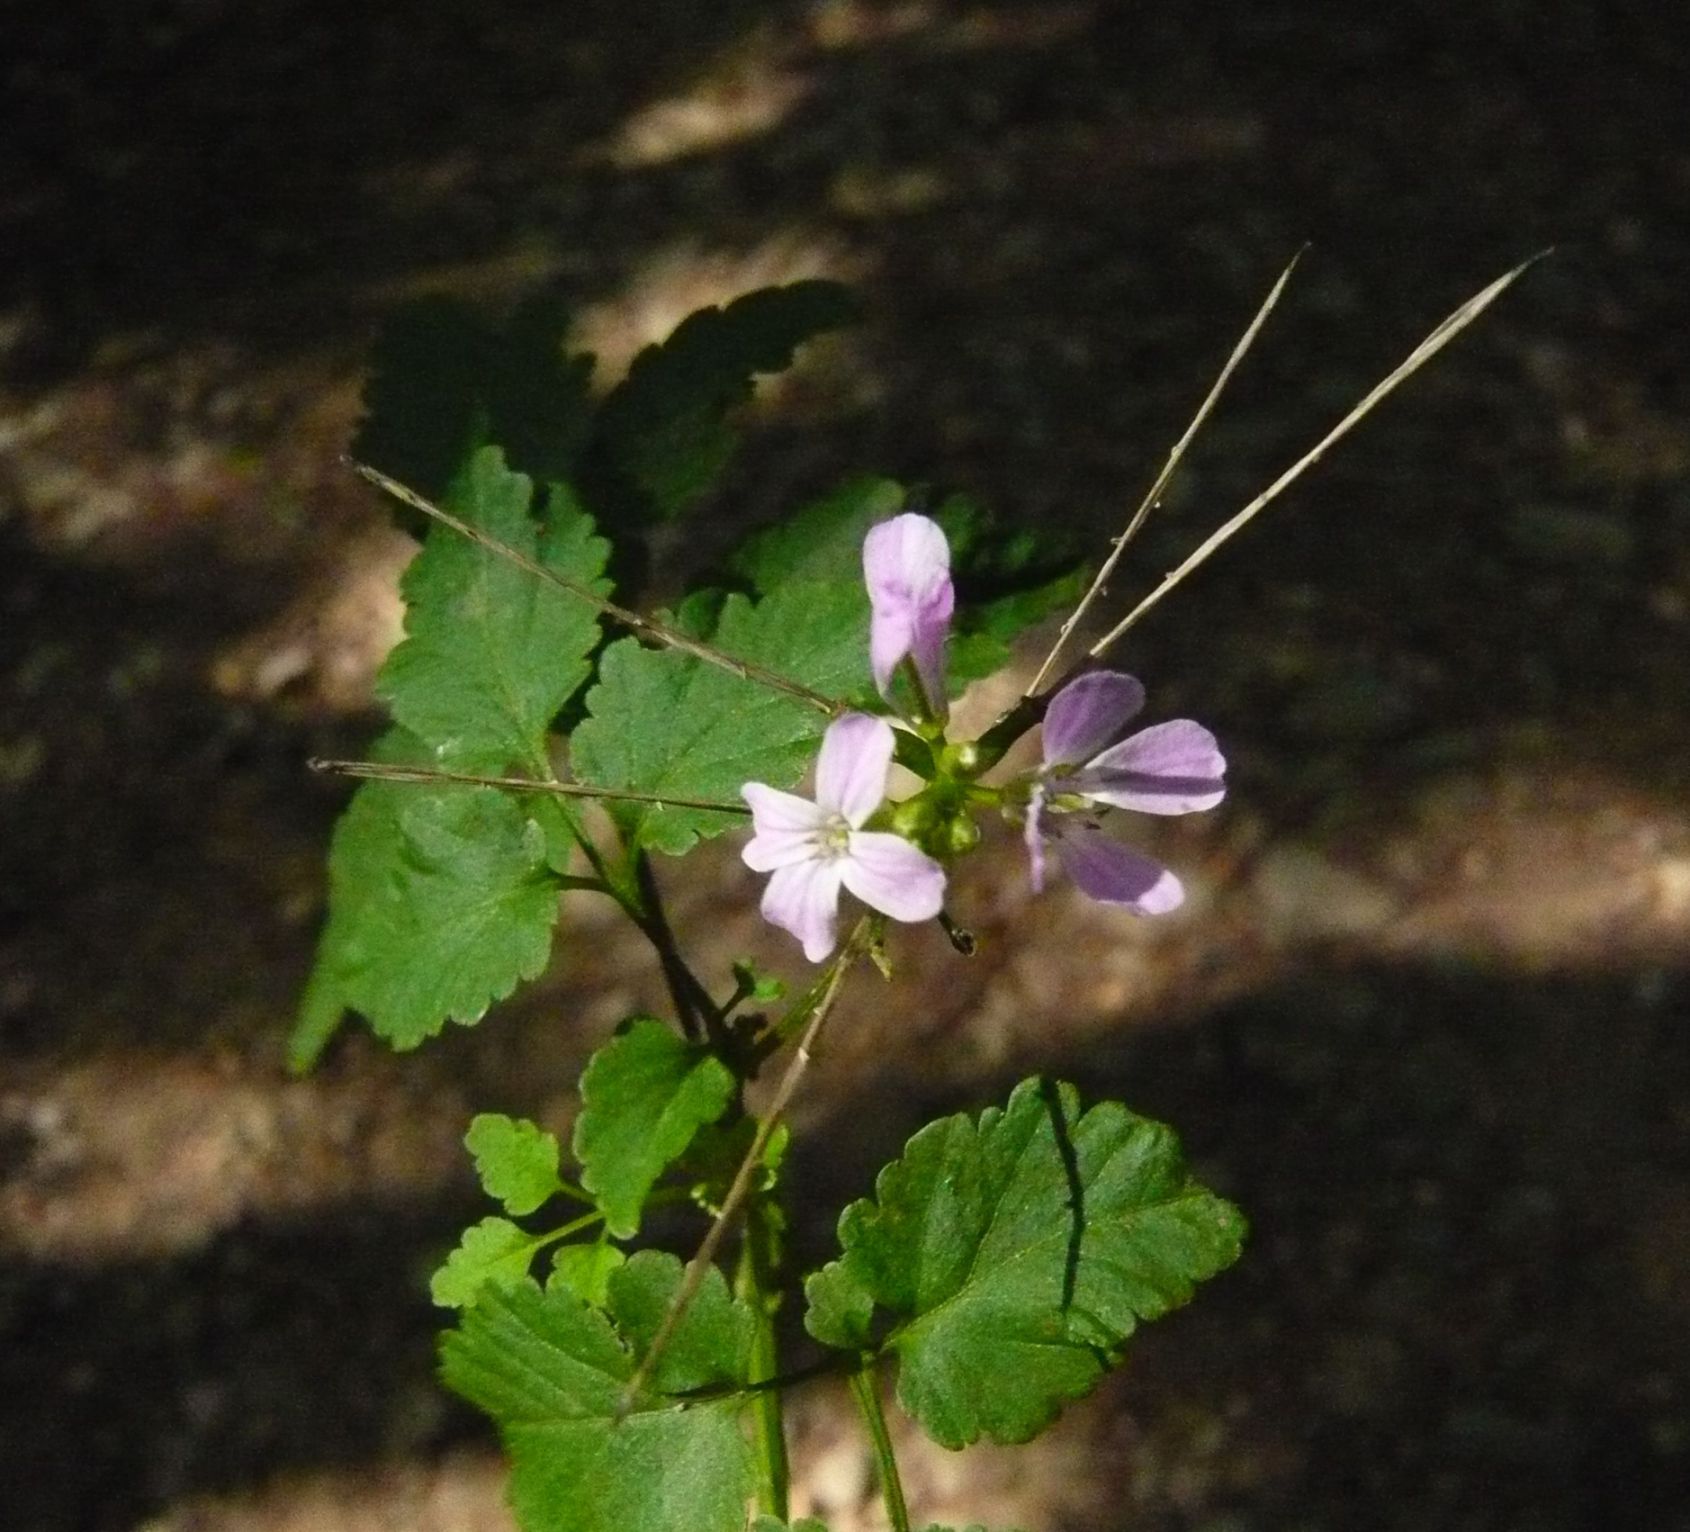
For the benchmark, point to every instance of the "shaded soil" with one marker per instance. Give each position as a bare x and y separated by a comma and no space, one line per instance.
1426,1017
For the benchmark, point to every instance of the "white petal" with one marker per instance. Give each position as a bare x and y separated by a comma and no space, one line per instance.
905,559
890,875
804,899
851,770
786,827
891,635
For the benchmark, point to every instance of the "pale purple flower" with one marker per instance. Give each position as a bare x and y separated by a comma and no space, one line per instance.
1169,768
907,567
814,849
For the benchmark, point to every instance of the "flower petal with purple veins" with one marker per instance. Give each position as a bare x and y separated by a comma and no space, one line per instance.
1170,768
907,567
1033,833
1087,714
1107,871
851,771
786,827
804,899
890,875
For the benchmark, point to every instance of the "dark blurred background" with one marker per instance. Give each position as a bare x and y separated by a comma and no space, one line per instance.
1425,1014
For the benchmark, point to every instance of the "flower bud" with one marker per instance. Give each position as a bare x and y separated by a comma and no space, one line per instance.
961,835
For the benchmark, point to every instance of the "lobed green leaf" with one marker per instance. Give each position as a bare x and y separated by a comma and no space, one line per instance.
586,1271
1014,1255
493,1251
440,901
516,1161
492,653
644,1096
551,1371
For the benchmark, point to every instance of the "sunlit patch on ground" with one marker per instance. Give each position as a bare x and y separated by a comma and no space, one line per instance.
746,94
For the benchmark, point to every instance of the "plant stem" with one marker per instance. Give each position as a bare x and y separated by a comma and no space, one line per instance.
1440,336
820,1003
755,1283
693,1006
1153,496
865,1390
380,771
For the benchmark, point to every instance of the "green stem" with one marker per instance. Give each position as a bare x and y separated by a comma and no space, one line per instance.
754,1284
865,1390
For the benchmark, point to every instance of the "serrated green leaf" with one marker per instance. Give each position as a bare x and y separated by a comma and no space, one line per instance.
663,722
551,1370
440,901
665,427
468,914
823,541
644,1096
491,651
493,1251
443,382
585,1270
712,1342
516,1161
1014,1255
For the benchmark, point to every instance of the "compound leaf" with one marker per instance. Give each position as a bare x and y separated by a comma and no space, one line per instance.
644,1096
516,1161
551,1371
664,722
492,652
665,427
1015,1254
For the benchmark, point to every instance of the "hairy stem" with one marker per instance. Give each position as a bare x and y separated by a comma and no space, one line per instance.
820,1002
865,1390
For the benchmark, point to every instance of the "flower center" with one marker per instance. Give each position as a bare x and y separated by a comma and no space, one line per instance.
833,839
